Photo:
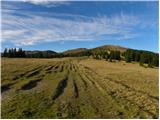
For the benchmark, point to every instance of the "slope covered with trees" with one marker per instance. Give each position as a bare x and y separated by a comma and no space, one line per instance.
143,57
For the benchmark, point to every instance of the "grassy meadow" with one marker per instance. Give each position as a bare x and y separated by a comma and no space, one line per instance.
77,88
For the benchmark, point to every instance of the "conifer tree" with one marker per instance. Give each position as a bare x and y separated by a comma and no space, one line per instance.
5,53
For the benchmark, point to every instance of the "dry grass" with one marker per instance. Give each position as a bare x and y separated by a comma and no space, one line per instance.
78,88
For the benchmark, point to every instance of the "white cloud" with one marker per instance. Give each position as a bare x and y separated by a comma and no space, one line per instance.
38,28
47,3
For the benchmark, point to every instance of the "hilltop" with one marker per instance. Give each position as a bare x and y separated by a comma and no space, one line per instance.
100,48
110,48
78,50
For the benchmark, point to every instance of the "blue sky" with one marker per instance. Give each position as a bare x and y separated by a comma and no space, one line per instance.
59,26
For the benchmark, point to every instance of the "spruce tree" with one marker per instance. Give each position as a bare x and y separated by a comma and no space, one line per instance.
5,53
142,59
155,61
137,56
127,57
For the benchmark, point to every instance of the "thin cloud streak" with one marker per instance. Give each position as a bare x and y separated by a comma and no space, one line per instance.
30,29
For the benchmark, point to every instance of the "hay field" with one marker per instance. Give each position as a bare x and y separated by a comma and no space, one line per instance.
77,88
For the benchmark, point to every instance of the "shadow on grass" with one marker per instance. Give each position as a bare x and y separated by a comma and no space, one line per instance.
31,84
60,88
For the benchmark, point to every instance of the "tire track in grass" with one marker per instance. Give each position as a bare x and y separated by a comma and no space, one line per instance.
119,95
67,107
61,68
128,87
34,73
122,84
89,79
85,77
133,100
31,84
49,68
100,94
88,76
92,80
72,96
73,67
76,92
70,67
96,84
53,68
36,76
91,100
84,82
25,73
87,102
60,88
6,87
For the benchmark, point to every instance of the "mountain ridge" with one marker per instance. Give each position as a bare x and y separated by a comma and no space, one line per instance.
79,50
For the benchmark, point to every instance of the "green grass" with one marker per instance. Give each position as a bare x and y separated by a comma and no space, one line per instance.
78,88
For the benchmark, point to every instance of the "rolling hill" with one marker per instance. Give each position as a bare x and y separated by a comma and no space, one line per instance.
78,50
110,47
100,48
42,52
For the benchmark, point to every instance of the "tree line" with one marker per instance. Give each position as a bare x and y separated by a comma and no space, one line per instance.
108,55
141,56
19,53
14,53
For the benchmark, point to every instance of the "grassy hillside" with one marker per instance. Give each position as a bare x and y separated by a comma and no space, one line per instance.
77,88
100,48
110,48
73,51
